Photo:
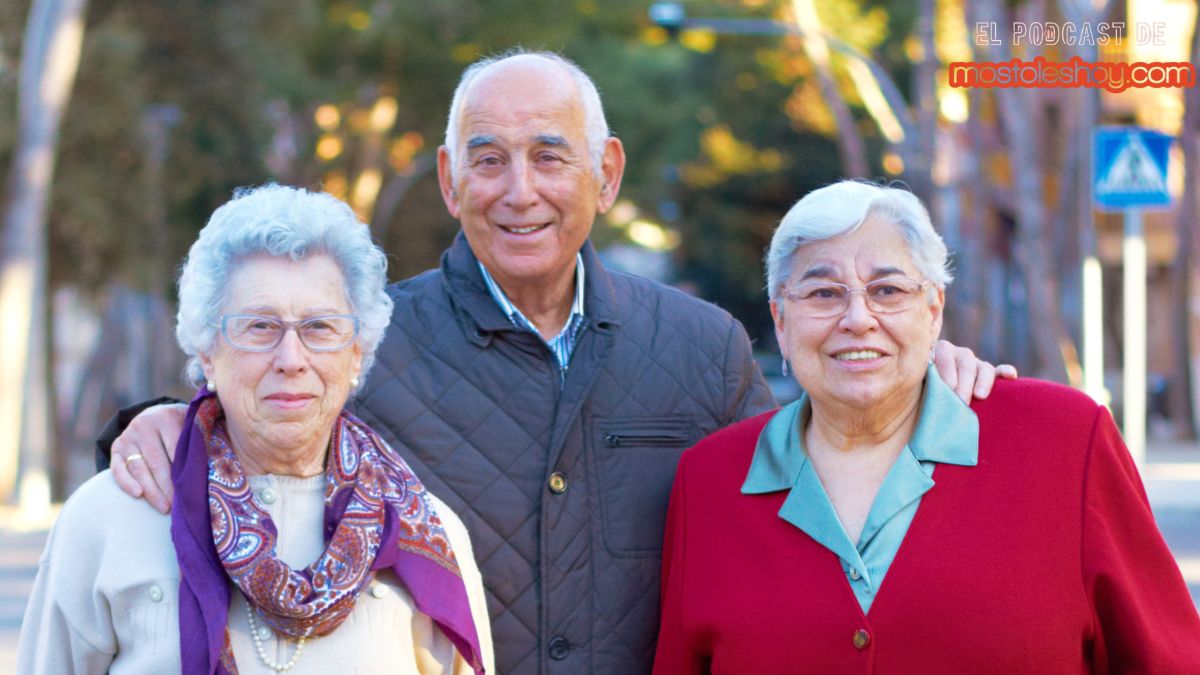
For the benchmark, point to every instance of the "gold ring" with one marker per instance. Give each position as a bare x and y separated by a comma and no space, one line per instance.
136,457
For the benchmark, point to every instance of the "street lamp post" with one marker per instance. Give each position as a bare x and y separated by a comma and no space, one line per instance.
672,17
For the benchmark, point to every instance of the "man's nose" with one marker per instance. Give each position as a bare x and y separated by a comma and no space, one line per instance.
522,185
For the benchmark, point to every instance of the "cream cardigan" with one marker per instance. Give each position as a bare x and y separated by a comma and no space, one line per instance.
105,598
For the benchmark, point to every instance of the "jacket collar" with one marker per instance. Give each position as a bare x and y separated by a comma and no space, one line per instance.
947,432
460,271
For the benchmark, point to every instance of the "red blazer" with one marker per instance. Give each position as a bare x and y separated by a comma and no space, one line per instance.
1044,558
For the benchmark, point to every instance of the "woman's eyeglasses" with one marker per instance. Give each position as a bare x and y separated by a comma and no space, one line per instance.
263,333
825,299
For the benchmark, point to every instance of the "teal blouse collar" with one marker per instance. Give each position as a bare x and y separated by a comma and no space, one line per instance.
947,432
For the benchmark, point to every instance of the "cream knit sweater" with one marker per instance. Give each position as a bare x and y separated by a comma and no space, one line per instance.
105,598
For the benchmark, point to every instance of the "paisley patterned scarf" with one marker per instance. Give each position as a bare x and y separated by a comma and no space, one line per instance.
377,516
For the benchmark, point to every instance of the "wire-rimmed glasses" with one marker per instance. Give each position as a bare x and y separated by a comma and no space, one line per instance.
825,299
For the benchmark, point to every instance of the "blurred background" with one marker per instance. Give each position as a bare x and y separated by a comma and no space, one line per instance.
124,123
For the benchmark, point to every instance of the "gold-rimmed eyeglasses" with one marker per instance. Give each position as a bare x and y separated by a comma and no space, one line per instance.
253,333
825,299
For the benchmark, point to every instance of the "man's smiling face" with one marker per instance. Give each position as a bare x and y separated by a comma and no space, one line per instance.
525,188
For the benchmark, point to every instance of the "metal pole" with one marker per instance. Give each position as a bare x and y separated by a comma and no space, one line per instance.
1093,331
1134,303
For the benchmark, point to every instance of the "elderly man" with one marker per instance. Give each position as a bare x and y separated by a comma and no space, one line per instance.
545,398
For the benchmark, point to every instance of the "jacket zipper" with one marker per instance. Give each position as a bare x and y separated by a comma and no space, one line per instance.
644,440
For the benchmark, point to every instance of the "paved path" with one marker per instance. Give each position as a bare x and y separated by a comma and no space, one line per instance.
19,553
1172,481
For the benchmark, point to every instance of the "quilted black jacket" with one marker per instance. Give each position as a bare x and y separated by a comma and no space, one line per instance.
564,488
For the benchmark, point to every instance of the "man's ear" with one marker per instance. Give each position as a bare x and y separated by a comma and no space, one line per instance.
612,169
446,181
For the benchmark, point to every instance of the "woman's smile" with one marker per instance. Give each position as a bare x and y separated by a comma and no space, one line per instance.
859,358
290,401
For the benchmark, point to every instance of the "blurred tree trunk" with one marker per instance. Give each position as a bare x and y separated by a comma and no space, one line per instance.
918,166
1021,120
850,143
1086,114
1180,403
912,139
93,398
49,60
158,356
394,191
1032,248
971,273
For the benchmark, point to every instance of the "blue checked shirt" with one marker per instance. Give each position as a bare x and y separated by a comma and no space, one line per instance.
562,345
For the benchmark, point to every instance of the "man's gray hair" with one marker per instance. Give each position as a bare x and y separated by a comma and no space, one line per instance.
277,220
595,125
841,208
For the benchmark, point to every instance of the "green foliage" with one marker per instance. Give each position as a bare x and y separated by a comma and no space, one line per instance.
12,16
247,79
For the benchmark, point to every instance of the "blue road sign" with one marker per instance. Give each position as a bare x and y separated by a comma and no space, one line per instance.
1129,168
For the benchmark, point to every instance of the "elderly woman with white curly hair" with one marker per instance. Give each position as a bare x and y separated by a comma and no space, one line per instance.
299,540
879,524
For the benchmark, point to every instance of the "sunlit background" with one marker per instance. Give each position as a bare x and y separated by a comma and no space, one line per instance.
138,117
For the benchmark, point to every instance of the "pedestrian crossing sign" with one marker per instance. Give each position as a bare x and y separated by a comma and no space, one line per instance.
1129,168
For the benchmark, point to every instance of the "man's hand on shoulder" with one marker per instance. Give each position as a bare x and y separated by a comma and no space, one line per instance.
966,374
142,454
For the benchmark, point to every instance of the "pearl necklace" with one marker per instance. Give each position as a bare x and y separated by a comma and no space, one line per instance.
262,654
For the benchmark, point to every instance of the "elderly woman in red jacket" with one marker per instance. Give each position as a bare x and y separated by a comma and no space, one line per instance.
879,524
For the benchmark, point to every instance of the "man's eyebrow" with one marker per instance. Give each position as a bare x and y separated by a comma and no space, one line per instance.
550,139
479,141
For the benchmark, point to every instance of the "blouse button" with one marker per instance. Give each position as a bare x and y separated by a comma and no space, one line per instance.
861,639
156,593
268,496
265,633
378,590
854,574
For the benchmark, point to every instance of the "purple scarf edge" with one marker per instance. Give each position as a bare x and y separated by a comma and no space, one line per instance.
204,589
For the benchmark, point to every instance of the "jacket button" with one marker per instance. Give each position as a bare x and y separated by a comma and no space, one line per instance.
558,483
861,639
558,648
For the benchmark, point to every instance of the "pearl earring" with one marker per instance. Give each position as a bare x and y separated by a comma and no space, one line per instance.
210,385
354,382
785,366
